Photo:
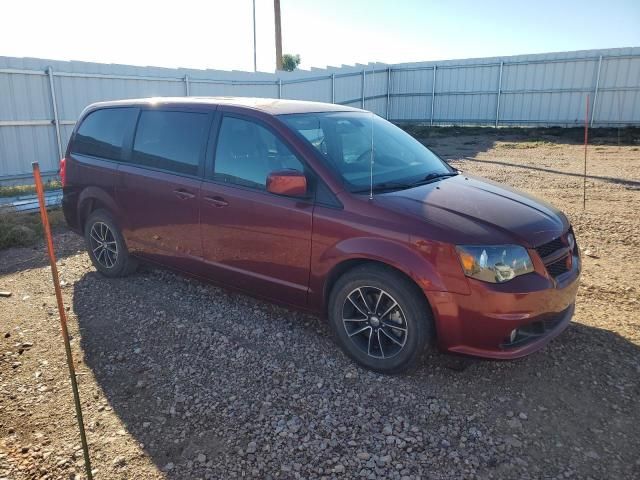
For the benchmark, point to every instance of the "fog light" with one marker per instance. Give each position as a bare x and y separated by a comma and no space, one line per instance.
514,334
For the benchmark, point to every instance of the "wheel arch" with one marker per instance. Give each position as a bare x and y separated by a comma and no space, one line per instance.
395,254
91,199
347,265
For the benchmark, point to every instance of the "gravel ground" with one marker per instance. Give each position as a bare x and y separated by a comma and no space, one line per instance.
180,379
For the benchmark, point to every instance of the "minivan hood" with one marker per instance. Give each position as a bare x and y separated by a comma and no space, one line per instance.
473,210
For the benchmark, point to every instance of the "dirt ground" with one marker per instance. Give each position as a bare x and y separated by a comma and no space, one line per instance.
180,379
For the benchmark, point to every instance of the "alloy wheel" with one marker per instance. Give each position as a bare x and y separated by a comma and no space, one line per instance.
375,322
103,244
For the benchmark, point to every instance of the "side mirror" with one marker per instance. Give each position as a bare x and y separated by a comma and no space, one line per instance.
291,183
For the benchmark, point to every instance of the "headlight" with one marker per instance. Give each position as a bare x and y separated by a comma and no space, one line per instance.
496,263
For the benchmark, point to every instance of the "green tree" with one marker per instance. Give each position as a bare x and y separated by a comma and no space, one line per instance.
290,62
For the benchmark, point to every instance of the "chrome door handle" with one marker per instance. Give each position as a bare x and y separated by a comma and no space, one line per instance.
217,201
183,194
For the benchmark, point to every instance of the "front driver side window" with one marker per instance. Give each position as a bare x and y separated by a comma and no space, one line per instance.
247,153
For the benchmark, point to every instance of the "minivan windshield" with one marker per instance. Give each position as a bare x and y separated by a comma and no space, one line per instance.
392,159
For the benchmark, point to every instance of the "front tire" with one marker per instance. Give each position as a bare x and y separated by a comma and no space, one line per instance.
380,318
106,246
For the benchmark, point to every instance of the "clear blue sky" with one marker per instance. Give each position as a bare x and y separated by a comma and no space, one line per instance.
218,33
425,30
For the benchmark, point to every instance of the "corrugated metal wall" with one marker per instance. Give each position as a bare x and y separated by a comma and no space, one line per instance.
544,89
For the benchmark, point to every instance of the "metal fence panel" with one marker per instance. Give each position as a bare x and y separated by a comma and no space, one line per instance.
348,89
238,90
315,90
410,108
465,109
620,72
376,105
411,81
22,145
24,97
563,109
75,93
65,135
542,89
615,107
484,78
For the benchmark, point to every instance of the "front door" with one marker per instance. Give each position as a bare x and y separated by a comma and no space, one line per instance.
252,239
159,188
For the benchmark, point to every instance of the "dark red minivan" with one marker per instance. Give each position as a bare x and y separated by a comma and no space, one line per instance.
327,208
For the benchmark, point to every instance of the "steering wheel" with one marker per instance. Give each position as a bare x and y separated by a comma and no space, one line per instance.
363,156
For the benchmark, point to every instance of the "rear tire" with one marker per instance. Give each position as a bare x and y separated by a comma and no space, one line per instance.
380,318
106,246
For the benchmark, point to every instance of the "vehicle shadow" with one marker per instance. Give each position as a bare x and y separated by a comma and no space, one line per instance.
191,369
620,181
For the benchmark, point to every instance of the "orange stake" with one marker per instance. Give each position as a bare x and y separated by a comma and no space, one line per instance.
63,317
586,141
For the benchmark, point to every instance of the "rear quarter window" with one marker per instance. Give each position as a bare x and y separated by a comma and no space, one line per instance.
102,133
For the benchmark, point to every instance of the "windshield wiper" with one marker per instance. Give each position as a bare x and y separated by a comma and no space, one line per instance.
436,175
387,186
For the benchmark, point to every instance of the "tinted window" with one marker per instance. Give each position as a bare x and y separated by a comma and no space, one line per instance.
247,153
102,133
170,140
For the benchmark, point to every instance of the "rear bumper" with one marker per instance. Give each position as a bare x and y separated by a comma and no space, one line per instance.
481,324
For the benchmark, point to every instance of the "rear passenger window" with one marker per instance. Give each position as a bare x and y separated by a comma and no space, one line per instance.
247,153
170,140
102,133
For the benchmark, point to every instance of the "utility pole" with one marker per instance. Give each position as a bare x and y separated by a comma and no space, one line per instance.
276,8
255,67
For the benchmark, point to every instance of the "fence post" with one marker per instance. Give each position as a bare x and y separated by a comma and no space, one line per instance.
56,120
498,97
362,88
595,93
433,94
333,87
279,88
186,85
388,93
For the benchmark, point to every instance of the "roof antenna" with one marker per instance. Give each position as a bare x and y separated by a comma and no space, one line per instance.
373,71
371,161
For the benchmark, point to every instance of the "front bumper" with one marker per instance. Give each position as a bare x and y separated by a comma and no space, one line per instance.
482,323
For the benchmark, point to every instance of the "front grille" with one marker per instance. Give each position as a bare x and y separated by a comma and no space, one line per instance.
549,251
550,247
558,267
